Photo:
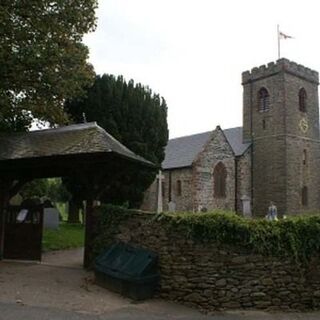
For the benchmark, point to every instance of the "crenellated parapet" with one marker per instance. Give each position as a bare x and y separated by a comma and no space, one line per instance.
281,65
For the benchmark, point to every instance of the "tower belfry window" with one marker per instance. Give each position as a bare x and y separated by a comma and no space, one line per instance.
263,100
302,100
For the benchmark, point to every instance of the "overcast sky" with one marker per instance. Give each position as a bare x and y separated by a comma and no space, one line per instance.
193,52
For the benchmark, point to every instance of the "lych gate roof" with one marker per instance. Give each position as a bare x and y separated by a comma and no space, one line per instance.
84,138
181,152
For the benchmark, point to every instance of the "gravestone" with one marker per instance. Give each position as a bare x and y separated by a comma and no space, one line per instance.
50,216
246,206
172,206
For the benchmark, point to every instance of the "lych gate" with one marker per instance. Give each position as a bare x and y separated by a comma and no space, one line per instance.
84,150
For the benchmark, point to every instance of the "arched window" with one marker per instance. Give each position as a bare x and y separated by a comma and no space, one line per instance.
302,100
179,188
263,100
304,196
219,180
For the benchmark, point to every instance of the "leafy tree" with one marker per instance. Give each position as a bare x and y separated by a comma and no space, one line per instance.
35,189
52,188
136,117
57,191
42,58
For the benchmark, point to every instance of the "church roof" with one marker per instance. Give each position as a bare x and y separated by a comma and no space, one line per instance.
181,152
84,138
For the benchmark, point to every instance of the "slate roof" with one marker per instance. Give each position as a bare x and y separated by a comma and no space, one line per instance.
181,152
84,138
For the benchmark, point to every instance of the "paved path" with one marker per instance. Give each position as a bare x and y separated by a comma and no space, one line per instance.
60,289
14,312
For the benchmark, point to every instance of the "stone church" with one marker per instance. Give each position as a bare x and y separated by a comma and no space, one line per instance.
273,157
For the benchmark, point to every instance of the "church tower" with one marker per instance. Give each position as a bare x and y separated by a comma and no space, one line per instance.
281,119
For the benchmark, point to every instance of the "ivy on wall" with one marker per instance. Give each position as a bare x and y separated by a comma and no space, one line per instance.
297,238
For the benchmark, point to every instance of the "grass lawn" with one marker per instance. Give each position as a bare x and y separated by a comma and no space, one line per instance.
66,237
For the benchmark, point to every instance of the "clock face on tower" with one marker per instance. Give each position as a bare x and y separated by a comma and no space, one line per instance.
303,125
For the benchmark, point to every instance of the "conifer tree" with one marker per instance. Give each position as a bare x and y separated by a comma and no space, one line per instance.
136,117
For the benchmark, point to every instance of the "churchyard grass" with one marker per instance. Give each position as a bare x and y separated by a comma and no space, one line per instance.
66,237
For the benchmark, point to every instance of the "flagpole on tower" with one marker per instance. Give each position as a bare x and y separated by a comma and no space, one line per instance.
281,36
278,35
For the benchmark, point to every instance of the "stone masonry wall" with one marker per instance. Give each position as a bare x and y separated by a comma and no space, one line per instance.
243,178
197,187
278,138
184,202
215,278
216,150
150,197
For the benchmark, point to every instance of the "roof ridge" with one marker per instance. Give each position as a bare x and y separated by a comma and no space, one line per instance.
70,127
181,152
191,135
195,134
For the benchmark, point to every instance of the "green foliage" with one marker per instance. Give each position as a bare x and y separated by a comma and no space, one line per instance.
50,188
42,58
296,238
36,188
109,219
66,237
137,118
57,191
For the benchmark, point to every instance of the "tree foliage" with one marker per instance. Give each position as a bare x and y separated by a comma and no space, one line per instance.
42,58
136,117
35,189
295,238
50,188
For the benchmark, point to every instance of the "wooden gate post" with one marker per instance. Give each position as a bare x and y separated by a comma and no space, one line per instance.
89,225
93,180
4,200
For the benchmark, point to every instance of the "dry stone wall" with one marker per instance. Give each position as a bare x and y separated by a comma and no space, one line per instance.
205,276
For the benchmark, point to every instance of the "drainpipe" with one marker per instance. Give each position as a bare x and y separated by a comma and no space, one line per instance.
236,161
252,144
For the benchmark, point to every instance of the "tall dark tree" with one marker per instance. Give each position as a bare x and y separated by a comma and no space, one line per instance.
136,117
42,58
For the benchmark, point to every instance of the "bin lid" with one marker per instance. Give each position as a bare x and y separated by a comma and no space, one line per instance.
128,261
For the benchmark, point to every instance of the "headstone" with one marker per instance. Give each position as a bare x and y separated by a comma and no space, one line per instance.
246,206
160,177
172,206
50,216
22,215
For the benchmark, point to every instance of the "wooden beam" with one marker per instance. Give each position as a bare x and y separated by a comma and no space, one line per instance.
4,201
